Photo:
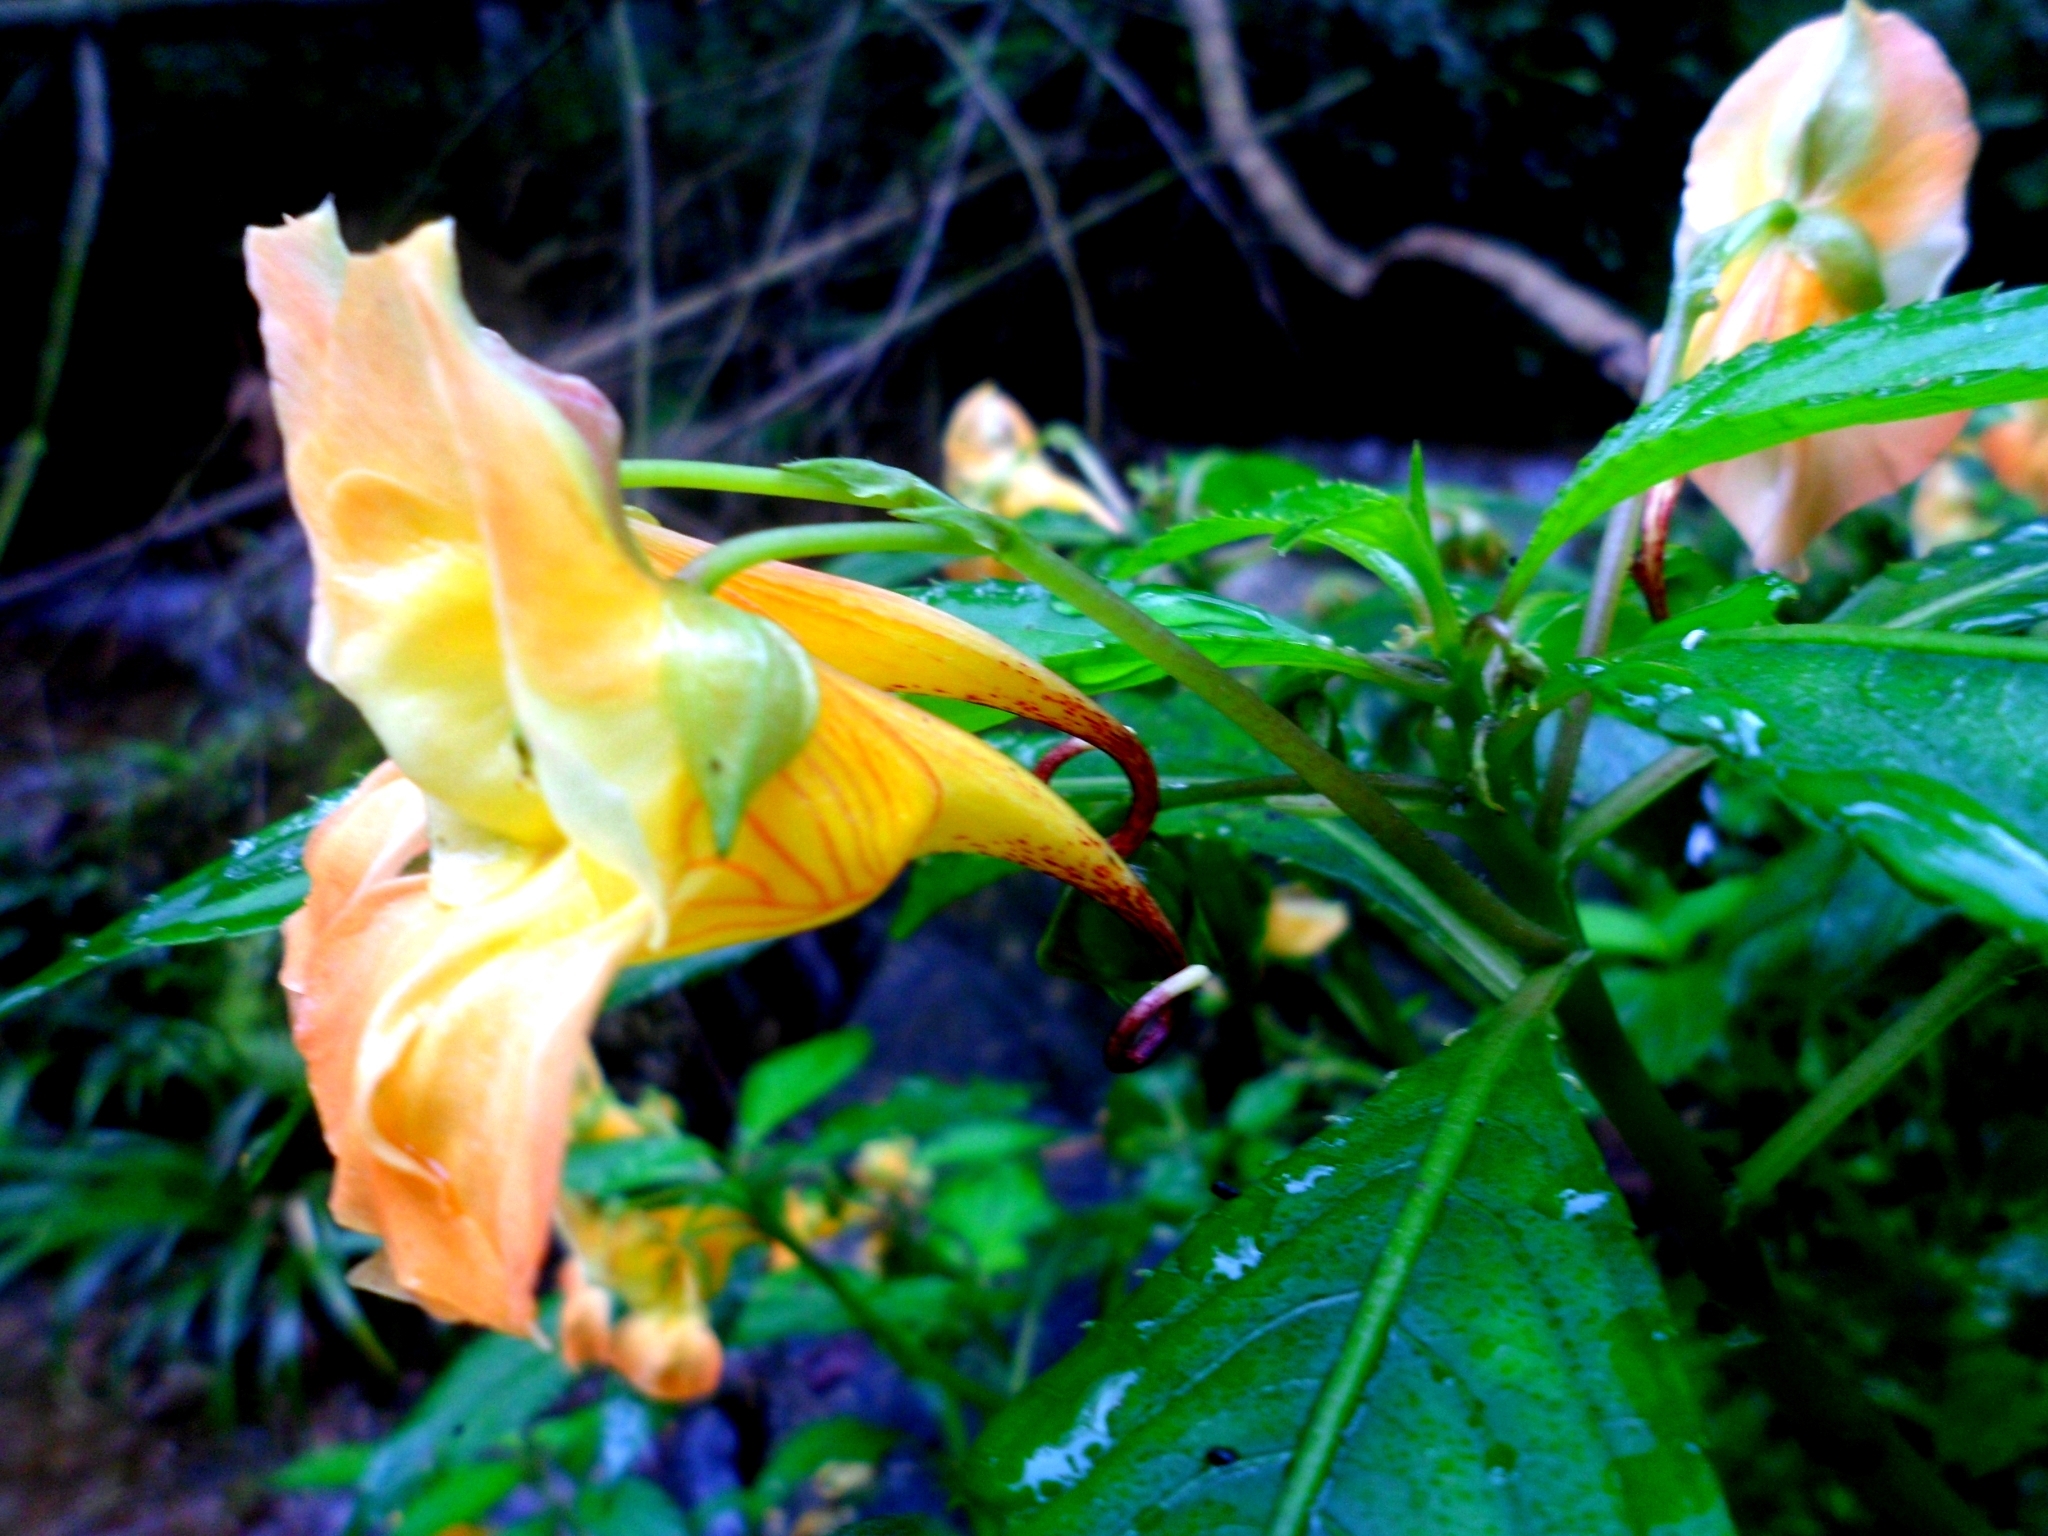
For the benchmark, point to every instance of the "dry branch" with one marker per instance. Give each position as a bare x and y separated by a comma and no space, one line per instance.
1030,157
1579,317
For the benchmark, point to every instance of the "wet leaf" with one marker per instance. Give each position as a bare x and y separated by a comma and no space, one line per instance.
1230,634
1931,763
1951,354
1988,586
1529,1385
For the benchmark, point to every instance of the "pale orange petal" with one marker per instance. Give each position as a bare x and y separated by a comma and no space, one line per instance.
364,922
2016,449
463,1082
1784,498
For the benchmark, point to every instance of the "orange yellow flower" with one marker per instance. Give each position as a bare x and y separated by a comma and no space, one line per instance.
1300,924
547,816
1860,125
994,462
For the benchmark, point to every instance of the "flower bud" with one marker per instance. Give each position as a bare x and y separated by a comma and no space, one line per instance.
673,1357
1300,924
1857,124
994,462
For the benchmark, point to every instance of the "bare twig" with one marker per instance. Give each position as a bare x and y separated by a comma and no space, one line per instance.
810,123
1185,157
95,154
1266,180
597,346
633,112
838,363
49,13
1579,317
938,208
173,523
1030,159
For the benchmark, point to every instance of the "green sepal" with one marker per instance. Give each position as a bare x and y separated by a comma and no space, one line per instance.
1841,254
745,696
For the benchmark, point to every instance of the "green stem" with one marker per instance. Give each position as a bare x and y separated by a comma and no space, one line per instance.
1861,1081
1617,549
912,1357
1869,637
726,560
704,475
1489,1053
1179,792
1621,805
1347,790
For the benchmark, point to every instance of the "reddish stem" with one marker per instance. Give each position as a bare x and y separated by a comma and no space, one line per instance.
1137,767
1648,569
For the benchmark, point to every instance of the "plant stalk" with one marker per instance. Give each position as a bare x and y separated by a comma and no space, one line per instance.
746,479
728,559
1349,791
1621,805
1490,1054
912,1357
95,155
1865,1077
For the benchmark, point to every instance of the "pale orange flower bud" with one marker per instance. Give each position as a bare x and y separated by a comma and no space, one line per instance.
1300,924
674,1357
994,462
1858,123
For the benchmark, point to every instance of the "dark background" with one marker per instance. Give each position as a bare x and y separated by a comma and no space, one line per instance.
1560,124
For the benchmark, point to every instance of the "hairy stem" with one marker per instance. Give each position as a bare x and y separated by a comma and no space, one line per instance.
1865,1077
1348,790
726,560
1488,1054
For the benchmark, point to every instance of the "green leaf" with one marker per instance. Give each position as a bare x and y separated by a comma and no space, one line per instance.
1931,762
1229,483
900,1525
1989,586
1952,354
1229,634
920,1107
791,1080
940,879
1672,1017
252,890
839,1438
492,1391
460,1494
1184,541
795,1304
640,1165
995,1209
632,1506
1529,1384
331,1466
744,695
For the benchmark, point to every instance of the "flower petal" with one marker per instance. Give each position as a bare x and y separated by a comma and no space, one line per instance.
1784,498
464,1077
